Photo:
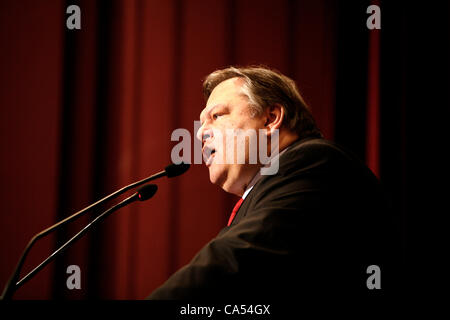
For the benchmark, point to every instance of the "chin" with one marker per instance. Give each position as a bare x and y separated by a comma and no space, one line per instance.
216,175
221,175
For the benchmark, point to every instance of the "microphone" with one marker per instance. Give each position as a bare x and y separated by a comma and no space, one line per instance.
172,170
146,192
142,194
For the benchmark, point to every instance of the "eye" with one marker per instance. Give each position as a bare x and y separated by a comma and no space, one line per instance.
216,116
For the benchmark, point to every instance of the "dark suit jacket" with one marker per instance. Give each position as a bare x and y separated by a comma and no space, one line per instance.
311,229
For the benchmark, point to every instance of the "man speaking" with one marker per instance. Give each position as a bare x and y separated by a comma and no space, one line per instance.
312,226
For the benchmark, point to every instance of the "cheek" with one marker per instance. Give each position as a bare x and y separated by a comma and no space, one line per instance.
235,147
229,148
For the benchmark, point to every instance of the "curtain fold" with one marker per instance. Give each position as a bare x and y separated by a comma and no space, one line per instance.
85,112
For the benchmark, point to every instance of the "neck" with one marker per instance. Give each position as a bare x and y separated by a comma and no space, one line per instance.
286,138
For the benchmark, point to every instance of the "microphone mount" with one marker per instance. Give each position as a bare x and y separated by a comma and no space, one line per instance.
145,193
13,284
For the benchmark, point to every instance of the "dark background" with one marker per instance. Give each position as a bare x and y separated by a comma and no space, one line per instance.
85,112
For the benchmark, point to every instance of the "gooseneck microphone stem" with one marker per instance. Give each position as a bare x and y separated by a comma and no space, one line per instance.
83,231
144,193
170,171
73,217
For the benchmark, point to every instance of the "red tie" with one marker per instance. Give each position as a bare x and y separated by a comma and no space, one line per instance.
235,209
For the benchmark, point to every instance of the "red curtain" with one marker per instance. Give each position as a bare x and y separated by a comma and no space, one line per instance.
85,112
31,54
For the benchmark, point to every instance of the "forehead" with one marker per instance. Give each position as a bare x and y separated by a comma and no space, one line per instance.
223,94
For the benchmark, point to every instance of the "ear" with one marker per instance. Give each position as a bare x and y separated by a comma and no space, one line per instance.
274,118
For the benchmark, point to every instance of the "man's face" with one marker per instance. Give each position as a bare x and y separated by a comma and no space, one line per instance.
227,117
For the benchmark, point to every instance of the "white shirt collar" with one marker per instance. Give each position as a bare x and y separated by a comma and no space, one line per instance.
258,174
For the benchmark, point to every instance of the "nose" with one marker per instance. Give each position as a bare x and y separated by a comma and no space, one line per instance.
204,133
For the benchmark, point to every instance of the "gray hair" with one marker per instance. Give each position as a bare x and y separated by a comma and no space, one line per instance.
264,88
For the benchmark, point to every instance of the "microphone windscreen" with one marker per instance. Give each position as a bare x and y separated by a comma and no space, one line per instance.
147,191
174,170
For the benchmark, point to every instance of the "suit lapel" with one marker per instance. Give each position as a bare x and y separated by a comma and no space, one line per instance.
248,202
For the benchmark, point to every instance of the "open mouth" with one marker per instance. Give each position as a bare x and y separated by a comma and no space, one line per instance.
208,155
